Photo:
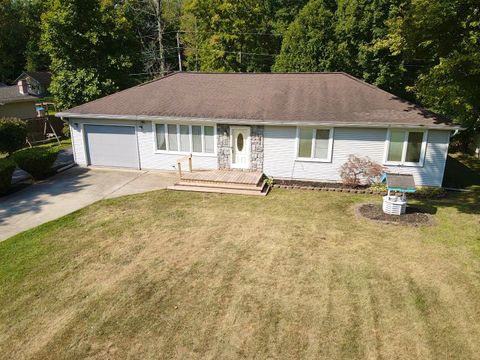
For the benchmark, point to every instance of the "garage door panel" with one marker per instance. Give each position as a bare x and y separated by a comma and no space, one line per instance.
109,145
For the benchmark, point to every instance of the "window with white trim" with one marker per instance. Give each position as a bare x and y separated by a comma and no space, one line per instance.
406,147
185,138
315,144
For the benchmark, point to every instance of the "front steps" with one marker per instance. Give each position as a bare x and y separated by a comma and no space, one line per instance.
225,182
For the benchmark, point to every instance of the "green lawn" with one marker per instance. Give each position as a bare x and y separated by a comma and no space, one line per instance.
201,276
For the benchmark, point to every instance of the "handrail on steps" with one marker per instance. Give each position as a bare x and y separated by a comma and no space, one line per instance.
179,164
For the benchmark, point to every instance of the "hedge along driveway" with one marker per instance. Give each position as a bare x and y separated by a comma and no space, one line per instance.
65,158
70,191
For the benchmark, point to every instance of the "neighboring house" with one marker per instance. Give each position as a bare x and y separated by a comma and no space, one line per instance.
291,126
15,101
38,82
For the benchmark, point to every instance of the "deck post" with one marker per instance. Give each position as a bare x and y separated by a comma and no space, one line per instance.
190,162
179,169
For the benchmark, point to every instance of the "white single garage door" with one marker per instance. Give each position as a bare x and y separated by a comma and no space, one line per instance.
109,145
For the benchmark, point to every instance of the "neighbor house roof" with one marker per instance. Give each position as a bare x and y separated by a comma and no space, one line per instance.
11,94
43,77
277,98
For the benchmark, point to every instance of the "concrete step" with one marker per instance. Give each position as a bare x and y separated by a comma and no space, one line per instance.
260,191
224,176
221,185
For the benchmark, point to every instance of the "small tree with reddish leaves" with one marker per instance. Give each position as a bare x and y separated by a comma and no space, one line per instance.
360,170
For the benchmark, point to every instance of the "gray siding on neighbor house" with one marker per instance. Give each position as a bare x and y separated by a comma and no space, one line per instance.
22,110
280,154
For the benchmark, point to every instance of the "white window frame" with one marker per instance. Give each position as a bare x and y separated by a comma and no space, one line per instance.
402,162
178,152
312,157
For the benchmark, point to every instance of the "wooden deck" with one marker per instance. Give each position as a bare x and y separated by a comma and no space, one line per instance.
224,176
223,181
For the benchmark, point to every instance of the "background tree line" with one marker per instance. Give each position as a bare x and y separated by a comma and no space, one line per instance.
425,51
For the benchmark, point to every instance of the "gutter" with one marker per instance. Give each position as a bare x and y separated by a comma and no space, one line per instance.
255,122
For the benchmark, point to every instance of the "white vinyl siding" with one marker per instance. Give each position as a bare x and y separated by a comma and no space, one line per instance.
280,154
280,151
158,160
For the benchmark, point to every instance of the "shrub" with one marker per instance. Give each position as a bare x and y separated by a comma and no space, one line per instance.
357,170
429,193
66,131
13,133
36,161
7,167
378,187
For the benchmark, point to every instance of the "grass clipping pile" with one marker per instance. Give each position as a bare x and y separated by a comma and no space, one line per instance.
414,216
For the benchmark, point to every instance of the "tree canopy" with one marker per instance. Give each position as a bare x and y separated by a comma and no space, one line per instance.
92,49
426,51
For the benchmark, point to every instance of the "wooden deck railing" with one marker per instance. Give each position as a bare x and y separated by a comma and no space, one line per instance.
179,164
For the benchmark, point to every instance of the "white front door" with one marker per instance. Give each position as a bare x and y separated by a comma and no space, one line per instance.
240,140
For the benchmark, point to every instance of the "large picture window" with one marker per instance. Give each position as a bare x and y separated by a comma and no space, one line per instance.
185,138
315,144
406,147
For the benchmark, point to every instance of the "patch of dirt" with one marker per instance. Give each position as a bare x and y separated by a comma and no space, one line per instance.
414,216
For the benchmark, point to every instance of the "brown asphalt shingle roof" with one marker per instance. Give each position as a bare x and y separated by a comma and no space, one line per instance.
273,97
9,94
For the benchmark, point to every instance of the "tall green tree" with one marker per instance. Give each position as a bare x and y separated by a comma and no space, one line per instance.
20,38
283,12
228,35
310,43
156,25
341,36
443,38
92,46
35,58
12,40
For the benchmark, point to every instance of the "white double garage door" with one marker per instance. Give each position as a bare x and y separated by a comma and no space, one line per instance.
111,145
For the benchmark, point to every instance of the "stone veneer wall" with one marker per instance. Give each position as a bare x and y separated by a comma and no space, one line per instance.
256,151
223,146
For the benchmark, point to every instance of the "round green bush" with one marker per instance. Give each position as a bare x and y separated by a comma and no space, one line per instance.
36,161
13,134
7,167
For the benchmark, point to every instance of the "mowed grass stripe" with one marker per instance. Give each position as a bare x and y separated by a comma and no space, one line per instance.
293,275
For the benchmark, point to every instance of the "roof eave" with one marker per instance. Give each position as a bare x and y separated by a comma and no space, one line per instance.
256,121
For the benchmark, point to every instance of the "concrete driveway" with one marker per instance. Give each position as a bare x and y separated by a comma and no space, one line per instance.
70,191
